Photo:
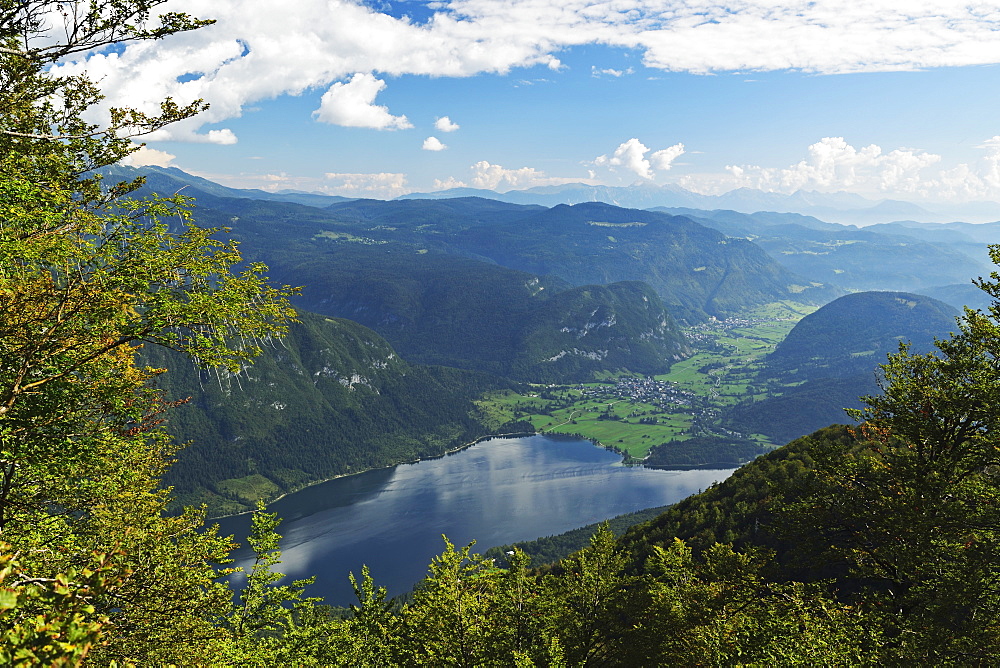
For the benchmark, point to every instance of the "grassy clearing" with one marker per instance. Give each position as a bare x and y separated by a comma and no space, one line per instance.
248,489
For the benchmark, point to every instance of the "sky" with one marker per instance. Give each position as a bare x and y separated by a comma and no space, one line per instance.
884,98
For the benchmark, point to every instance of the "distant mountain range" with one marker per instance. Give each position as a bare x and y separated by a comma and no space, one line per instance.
838,207
903,256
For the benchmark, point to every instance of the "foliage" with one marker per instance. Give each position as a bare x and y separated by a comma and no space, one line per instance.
915,515
49,621
87,275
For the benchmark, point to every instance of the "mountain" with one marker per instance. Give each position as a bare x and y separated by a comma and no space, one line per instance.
891,256
829,359
698,271
855,332
443,306
171,180
446,309
982,233
836,207
735,223
741,509
961,295
330,398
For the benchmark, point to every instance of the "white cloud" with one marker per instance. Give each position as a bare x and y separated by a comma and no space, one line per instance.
433,144
490,176
259,50
444,124
146,157
981,181
495,177
663,160
381,185
351,104
448,183
598,72
631,155
833,164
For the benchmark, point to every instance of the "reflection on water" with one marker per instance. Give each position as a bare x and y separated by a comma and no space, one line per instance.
496,492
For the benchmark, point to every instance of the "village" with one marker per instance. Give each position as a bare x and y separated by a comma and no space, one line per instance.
643,390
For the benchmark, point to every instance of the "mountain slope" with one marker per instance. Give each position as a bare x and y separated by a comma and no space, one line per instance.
696,270
880,257
855,332
331,398
445,309
829,359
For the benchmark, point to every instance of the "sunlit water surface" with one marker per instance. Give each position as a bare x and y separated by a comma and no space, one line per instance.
496,492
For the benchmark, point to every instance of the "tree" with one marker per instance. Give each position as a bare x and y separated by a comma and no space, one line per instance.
447,624
590,602
87,276
914,509
261,609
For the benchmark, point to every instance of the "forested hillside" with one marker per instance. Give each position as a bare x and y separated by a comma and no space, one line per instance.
697,271
330,398
438,308
830,358
855,332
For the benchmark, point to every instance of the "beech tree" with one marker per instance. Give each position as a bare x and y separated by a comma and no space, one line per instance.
88,274
912,511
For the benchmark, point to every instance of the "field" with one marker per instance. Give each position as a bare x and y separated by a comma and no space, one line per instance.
635,413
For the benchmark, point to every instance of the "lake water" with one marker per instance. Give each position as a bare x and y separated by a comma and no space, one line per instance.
495,492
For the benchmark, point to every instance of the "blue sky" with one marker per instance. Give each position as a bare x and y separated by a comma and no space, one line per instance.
883,98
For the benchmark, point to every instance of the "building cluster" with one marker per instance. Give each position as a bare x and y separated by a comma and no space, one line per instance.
645,390
707,331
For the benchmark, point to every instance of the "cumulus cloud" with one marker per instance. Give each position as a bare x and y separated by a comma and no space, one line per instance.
492,177
663,160
496,177
149,157
631,156
977,181
351,104
444,124
833,164
384,185
259,50
433,144
448,183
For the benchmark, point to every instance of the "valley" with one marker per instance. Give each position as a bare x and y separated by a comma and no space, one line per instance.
633,414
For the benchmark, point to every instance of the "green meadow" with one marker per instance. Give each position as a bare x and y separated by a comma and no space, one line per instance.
719,374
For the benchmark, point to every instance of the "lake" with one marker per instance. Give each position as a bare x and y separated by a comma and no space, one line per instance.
495,492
